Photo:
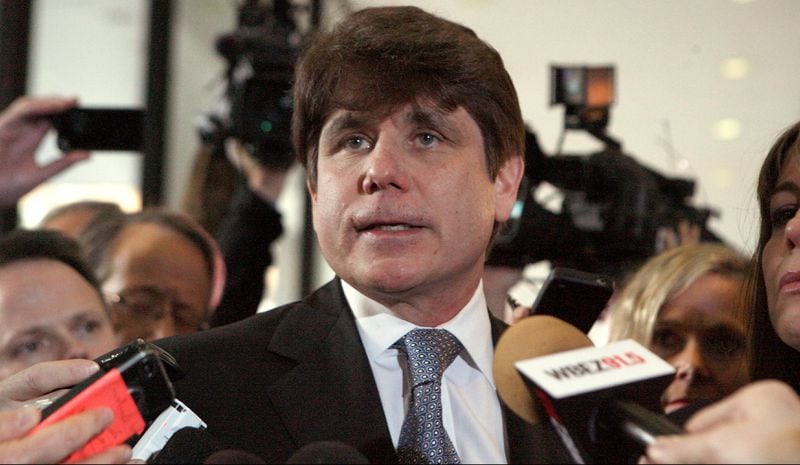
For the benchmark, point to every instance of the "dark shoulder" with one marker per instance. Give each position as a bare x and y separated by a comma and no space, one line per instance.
283,332
254,330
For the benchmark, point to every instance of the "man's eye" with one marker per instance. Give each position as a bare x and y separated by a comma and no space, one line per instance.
427,139
783,215
28,348
356,143
89,326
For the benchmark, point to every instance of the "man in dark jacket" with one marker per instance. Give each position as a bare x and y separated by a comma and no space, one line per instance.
411,133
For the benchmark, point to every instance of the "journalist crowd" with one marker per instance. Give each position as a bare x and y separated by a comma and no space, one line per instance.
409,131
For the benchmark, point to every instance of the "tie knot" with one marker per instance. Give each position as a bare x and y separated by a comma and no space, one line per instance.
429,353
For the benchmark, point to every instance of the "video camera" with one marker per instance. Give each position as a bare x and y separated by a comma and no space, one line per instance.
613,207
257,105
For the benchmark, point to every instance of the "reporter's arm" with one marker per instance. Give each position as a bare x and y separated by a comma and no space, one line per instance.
760,423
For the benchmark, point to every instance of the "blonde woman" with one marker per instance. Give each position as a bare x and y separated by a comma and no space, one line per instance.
685,306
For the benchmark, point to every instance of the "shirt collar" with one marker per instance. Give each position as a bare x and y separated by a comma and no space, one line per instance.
379,328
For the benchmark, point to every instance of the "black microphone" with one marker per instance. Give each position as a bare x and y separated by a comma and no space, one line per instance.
602,401
233,456
327,452
187,445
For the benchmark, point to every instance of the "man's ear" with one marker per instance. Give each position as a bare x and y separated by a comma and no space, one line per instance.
506,185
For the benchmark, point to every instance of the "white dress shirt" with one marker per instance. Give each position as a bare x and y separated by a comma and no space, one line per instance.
471,410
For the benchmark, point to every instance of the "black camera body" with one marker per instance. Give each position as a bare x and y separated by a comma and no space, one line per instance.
260,55
613,207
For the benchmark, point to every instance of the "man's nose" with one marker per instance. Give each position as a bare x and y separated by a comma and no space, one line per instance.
384,169
75,348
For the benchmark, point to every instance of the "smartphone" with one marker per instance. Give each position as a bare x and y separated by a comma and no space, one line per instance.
137,391
574,296
100,129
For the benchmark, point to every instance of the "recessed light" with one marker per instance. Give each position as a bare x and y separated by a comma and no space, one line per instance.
735,68
727,129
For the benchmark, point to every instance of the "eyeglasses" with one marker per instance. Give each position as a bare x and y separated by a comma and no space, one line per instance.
145,305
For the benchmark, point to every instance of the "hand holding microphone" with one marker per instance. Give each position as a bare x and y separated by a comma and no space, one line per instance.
601,401
760,423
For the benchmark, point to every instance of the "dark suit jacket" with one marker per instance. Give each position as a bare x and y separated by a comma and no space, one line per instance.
298,374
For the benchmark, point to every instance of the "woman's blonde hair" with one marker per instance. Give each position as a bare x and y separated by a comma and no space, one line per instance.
635,309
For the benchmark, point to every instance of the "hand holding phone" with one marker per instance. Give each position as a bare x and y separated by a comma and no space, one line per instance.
137,391
23,126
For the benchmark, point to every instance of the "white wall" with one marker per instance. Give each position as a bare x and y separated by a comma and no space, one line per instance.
669,56
95,50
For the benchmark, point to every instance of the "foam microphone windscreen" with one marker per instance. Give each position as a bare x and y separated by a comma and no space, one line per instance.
530,337
603,401
327,452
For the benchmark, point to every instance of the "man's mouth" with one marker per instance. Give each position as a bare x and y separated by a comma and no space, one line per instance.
390,227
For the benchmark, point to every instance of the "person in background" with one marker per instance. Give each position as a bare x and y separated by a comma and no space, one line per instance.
72,218
760,423
161,272
23,126
51,306
246,232
685,305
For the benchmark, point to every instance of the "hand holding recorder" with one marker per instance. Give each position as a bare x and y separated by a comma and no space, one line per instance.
133,385
53,443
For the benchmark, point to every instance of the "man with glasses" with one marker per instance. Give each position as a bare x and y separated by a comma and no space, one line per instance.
162,274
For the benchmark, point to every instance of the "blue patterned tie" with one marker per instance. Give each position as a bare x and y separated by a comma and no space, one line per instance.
423,438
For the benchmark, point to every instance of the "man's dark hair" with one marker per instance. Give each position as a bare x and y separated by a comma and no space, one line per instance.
21,244
380,58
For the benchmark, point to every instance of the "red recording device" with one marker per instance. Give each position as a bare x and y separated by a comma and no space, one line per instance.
137,391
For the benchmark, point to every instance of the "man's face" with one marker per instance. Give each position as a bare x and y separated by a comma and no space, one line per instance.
404,205
48,311
164,278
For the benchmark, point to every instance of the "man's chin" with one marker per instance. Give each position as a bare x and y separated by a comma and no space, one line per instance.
390,284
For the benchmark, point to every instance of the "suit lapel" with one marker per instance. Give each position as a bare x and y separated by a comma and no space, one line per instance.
330,394
332,384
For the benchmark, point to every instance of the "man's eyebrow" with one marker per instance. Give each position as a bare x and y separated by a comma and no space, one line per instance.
345,122
429,118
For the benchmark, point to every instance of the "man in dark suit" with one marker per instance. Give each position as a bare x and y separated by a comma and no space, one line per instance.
412,137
